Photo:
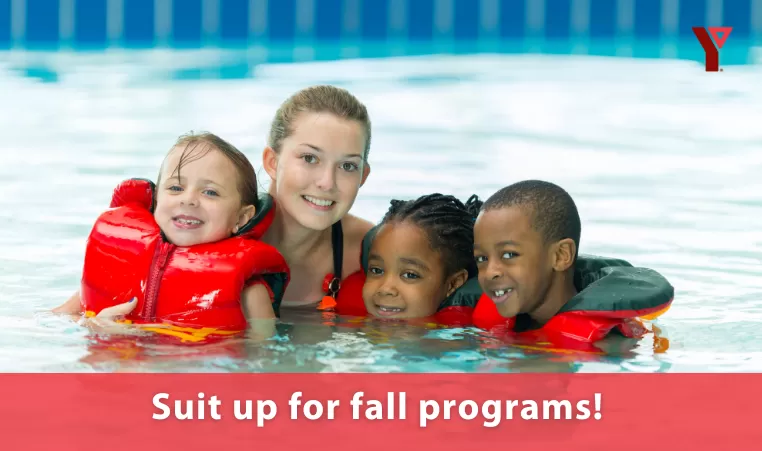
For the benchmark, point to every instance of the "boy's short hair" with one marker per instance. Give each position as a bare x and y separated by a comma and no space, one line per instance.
553,212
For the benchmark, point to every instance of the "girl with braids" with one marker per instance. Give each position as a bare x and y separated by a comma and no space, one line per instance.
420,257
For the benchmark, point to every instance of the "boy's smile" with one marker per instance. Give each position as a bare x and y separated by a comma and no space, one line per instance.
500,295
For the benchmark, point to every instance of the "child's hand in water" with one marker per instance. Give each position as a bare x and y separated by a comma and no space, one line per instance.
106,320
118,310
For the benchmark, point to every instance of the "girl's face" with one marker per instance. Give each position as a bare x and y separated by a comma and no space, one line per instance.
201,204
319,170
406,278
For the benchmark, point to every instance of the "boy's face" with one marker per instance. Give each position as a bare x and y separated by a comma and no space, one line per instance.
405,277
514,263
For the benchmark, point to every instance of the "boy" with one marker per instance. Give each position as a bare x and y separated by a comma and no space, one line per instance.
526,241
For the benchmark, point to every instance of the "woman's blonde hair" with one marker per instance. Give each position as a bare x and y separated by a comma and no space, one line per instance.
318,99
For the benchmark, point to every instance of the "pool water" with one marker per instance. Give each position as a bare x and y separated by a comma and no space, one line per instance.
662,159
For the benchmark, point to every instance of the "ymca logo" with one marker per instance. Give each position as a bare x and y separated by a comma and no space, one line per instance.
712,58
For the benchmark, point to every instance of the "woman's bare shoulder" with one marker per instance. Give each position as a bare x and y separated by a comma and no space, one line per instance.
355,228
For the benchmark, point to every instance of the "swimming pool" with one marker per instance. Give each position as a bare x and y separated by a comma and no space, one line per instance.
662,159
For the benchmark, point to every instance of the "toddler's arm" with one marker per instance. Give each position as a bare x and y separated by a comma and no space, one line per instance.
257,302
257,306
72,306
130,190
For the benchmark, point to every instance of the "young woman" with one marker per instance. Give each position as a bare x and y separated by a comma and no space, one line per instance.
317,159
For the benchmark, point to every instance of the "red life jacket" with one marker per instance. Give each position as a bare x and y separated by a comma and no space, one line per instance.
196,286
612,296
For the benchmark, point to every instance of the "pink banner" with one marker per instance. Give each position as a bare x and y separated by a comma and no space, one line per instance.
380,411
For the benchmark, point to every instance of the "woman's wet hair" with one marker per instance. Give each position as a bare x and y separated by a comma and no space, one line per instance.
197,145
318,99
448,223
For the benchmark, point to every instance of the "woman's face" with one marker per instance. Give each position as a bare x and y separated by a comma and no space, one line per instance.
319,170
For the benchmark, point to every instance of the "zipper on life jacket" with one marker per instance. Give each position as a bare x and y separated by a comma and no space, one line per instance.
158,265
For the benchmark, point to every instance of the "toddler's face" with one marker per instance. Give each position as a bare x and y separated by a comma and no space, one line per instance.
201,204
406,278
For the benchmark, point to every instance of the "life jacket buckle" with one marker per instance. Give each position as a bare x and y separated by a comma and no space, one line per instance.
331,285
